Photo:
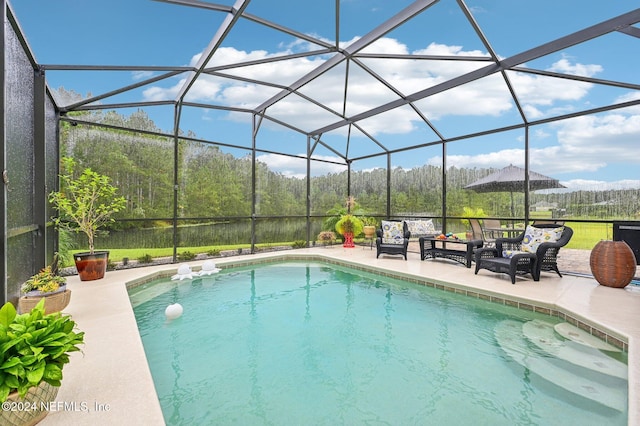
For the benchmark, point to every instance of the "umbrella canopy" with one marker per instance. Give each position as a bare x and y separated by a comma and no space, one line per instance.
511,179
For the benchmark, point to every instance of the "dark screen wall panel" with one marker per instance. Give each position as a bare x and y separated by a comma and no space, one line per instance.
19,135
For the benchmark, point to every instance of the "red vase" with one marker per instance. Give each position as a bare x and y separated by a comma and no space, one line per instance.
348,240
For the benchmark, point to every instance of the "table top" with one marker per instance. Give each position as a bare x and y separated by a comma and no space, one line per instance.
448,240
511,232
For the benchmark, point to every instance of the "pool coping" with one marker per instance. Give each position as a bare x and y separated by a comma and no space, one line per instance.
556,298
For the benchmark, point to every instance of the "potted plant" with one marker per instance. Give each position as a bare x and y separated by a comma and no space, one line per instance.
370,224
327,237
349,226
34,347
86,203
48,285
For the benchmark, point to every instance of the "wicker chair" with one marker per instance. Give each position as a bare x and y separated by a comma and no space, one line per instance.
544,259
392,248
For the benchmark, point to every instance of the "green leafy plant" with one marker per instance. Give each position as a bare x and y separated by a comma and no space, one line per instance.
34,347
299,244
65,245
86,202
471,212
369,221
145,258
349,223
45,281
111,265
213,252
338,211
185,256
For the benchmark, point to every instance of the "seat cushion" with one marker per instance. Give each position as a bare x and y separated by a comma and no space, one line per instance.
392,232
533,237
420,227
510,253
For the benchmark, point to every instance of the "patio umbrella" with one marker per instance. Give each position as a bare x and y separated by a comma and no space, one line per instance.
511,179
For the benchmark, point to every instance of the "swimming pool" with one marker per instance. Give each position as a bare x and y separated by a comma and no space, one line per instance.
307,343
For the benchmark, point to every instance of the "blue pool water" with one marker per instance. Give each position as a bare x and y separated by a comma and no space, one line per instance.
305,343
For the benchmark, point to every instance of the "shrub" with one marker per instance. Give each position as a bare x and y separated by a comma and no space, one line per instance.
185,256
299,244
213,252
146,258
327,236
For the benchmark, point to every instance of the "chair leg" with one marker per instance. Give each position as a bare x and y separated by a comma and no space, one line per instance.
535,271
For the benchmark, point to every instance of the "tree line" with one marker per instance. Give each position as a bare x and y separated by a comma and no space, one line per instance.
215,184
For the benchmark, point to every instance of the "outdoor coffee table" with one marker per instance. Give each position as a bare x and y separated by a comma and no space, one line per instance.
438,248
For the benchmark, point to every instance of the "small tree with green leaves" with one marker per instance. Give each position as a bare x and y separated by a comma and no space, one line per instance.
85,202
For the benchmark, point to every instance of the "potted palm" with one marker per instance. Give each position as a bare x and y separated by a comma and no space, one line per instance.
349,225
35,348
86,203
46,284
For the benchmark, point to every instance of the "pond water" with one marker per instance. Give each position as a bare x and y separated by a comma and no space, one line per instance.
307,343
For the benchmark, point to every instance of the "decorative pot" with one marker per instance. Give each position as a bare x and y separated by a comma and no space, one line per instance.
613,263
53,302
348,240
37,400
91,266
369,231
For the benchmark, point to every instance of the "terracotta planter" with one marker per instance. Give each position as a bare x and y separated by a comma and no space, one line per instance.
91,266
37,399
613,263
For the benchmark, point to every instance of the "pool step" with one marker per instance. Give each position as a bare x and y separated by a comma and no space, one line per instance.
610,391
571,332
543,335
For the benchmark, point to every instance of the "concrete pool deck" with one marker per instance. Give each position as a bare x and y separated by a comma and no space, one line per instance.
110,383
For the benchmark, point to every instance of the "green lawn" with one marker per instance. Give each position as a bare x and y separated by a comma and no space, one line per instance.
116,255
587,235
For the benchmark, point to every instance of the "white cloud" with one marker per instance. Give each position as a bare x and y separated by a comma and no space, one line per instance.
486,97
297,168
600,185
141,75
566,67
584,144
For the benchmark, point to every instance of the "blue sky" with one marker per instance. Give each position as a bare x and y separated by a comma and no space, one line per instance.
588,152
